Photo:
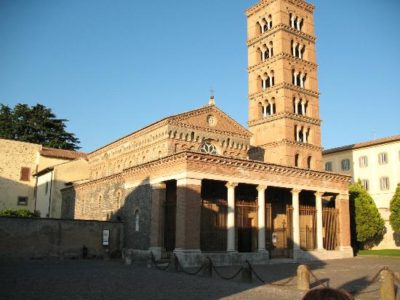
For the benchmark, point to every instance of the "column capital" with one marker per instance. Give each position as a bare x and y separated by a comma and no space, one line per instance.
231,185
319,194
295,191
261,188
158,185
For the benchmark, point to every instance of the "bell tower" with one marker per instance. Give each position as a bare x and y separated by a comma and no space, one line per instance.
283,86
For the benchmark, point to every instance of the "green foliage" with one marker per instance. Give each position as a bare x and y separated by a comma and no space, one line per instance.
36,124
22,212
385,252
368,223
395,210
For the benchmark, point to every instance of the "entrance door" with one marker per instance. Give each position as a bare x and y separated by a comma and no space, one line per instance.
246,221
278,230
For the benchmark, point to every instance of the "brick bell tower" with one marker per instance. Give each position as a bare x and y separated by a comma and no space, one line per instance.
283,86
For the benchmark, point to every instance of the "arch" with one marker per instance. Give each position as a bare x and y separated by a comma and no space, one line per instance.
309,161
296,159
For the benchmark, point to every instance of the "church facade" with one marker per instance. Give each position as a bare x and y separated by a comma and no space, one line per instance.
198,182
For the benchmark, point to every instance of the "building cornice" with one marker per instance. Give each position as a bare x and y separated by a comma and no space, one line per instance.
277,28
282,56
184,158
284,85
293,143
263,3
285,115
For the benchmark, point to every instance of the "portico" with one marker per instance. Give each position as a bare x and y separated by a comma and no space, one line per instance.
242,211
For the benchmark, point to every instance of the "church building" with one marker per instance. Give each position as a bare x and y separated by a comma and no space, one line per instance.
199,183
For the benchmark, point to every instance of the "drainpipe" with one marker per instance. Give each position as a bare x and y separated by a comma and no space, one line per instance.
51,192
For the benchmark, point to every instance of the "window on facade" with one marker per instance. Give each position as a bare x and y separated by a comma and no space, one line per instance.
383,158
25,174
309,159
363,161
136,216
384,183
365,184
22,201
296,160
208,148
328,166
345,164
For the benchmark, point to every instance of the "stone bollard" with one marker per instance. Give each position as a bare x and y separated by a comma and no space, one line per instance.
246,274
303,278
128,259
387,285
207,270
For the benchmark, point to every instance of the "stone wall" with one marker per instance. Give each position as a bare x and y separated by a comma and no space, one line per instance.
40,238
138,201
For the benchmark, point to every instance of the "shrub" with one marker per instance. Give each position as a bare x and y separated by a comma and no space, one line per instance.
395,210
369,225
23,213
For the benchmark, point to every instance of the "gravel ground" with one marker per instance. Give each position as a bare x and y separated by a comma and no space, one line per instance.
98,279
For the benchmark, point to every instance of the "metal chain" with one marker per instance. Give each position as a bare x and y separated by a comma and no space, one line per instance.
227,277
285,283
316,278
371,281
187,272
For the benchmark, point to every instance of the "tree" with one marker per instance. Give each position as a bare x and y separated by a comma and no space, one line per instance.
367,222
36,124
395,210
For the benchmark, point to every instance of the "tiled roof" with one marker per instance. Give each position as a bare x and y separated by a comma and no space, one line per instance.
61,153
385,140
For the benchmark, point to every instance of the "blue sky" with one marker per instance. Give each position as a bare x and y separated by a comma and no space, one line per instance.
113,66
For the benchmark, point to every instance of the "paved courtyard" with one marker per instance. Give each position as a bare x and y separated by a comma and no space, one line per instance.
98,279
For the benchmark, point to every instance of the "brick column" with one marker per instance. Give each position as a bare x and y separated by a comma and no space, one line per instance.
158,197
343,205
261,217
296,218
318,206
188,214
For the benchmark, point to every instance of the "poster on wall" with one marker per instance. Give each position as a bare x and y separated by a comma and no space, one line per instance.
106,237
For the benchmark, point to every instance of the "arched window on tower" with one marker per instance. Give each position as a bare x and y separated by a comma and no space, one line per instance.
309,160
296,160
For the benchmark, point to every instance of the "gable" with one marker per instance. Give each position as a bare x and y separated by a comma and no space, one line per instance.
210,118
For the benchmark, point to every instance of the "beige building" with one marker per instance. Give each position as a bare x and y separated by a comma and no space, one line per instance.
200,182
377,165
19,161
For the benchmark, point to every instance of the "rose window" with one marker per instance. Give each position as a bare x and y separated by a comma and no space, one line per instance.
208,148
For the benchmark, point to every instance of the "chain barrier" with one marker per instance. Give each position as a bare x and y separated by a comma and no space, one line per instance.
317,280
222,276
154,262
373,280
179,266
285,283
